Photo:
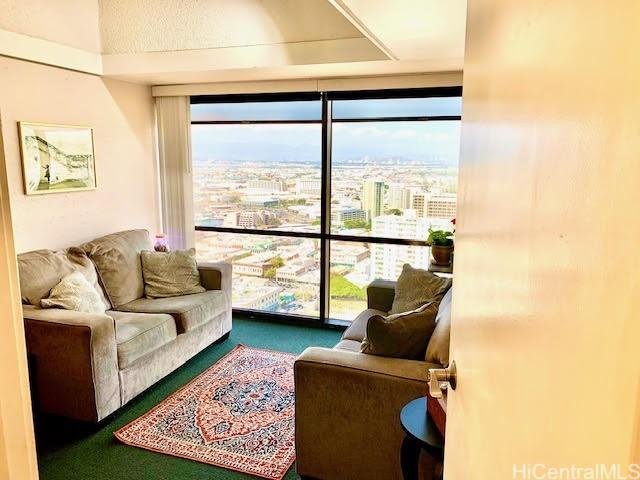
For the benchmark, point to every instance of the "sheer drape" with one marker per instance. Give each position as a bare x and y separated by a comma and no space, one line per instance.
176,184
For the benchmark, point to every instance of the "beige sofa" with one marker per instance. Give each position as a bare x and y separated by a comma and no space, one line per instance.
86,366
348,403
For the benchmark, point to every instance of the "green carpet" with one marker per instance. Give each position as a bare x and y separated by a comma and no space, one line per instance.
70,450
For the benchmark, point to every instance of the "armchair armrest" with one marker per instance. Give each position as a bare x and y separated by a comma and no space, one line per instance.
216,276
380,294
74,362
345,403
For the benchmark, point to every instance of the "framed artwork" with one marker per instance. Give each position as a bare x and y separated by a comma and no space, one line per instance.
56,158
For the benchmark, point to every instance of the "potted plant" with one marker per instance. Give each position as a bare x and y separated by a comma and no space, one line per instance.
441,245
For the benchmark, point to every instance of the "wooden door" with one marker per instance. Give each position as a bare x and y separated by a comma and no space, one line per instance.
546,304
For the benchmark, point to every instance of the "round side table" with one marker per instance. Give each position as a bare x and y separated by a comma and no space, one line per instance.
421,433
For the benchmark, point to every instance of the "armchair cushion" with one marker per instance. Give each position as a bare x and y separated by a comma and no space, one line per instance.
189,311
170,274
117,259
416,287
349,345
358,328
140,333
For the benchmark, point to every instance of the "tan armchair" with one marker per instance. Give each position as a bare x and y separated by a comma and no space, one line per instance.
348,403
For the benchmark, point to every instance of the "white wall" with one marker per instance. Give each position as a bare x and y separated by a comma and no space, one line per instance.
123,118
69,22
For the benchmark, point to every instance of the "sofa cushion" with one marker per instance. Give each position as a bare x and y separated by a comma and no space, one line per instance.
416,287
117,259
438,348
358,328
189,311
140,333
402,335
41,270
74,292
170,274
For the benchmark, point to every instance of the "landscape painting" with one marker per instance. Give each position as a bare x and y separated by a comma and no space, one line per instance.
57,158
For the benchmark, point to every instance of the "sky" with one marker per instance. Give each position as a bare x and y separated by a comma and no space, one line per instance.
412,140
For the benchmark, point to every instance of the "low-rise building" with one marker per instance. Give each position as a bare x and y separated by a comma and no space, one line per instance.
347,214
254,266
290,273
348,254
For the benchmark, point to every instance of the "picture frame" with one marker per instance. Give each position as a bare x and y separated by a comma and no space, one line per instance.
57,158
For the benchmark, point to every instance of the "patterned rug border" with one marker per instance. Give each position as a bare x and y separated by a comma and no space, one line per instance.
152,410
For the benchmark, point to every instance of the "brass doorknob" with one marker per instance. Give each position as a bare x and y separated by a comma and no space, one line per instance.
441,375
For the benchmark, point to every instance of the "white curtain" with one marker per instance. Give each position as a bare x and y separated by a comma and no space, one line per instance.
176,183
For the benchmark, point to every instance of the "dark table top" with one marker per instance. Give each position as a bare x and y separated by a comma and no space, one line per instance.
418,424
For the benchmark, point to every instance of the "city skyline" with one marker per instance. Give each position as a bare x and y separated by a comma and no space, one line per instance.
387,180
268,277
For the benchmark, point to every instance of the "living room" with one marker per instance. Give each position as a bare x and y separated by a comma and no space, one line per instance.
231,229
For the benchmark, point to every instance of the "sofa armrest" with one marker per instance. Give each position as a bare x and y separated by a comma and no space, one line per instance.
380,294
216,276
347,402
74,362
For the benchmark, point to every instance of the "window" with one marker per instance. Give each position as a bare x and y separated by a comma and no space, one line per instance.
311,196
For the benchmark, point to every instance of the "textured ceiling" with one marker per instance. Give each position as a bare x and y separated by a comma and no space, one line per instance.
129,26
68,22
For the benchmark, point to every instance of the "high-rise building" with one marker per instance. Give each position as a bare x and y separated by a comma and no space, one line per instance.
373,198
387,260
395,226
442,205
418,202
399,196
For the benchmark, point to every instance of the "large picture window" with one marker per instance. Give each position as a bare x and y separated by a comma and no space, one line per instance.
312,196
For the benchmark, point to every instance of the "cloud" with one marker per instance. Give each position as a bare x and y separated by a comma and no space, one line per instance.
404,134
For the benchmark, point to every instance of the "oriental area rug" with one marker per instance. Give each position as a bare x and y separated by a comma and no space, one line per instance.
237,414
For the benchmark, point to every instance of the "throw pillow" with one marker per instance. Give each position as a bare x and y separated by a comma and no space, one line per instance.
403,335
84,265
74,292
416,287
170,274
438,348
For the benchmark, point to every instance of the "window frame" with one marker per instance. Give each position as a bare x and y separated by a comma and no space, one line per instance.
324,236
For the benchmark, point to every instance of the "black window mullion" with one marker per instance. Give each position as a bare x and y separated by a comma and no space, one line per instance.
440,118
255,97
325,209
253,122
396,93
